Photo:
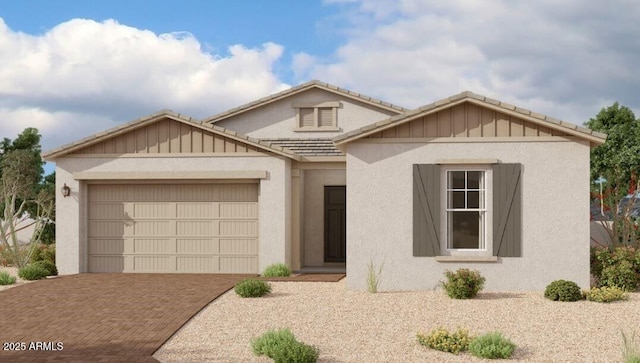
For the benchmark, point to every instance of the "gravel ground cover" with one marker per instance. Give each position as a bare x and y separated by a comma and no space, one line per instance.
356,326
13,271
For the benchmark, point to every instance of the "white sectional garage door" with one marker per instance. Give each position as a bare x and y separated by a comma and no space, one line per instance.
172,228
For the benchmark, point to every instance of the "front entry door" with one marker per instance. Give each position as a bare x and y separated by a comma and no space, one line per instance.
335,224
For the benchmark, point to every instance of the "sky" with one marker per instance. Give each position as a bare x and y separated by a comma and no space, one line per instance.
72,68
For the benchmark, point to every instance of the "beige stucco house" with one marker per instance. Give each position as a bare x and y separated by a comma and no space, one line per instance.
323,178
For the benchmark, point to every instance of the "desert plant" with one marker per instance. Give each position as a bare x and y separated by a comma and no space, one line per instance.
44,252
606,294
252,288
282,347
373,277
33,272
49,266
563,290
619,267
6,279
441,339
492,345
277,270
463,284
630,349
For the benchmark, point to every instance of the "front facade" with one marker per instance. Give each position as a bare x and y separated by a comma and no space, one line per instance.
299,176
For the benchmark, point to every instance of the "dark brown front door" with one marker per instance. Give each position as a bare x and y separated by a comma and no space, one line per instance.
335,224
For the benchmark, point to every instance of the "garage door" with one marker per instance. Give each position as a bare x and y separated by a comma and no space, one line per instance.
173,228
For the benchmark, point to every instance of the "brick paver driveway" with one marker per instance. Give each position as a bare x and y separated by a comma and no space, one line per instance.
102,317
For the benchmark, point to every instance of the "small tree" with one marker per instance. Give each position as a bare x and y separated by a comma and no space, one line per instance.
19,190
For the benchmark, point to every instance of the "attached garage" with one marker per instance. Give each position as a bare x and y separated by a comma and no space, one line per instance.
171,227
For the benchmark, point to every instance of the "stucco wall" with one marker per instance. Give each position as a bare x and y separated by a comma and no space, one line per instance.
314,183
277,119
555,231
274,200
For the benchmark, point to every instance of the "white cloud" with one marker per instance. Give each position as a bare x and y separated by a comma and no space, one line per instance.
566,59
83,76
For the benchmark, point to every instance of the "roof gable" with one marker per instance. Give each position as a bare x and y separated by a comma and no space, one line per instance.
470,115
166,132
301,88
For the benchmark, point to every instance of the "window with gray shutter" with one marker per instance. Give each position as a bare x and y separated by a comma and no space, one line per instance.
307,117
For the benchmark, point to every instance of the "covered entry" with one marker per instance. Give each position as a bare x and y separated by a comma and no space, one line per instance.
171,227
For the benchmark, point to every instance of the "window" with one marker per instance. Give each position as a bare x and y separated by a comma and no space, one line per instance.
465,208
317,117
470,211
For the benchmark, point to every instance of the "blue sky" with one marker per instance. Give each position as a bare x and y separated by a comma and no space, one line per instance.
73,68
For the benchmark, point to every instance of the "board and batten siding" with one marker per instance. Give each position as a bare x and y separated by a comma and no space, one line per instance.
173,228
507,210
167,136
466,120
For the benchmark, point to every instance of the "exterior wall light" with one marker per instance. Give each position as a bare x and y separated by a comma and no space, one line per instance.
66,191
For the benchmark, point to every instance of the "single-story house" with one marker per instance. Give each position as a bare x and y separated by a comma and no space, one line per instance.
322,178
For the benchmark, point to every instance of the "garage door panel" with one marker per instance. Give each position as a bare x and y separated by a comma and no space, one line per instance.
106,246
197,264
154,246
197,210
238,264
239,210
197,246
238,228
236,246
173,228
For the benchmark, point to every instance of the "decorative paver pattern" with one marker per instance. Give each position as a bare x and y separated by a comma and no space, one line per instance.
103,317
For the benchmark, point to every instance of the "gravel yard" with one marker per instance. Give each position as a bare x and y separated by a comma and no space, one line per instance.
13,271
355,326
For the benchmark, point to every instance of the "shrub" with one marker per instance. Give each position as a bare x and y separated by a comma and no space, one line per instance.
252,288
33,272
617,267
492,346
606,294
373,277
463,284
44,253
49,266
282,347
563,290
277,270
6,279
442,339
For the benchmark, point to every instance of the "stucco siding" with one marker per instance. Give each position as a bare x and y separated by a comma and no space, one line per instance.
555,213
273,211
278,119
314,183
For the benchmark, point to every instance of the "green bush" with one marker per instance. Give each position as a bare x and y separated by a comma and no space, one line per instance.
442,339
563,290
617,267
463,284
44,253
492,346
606,294
6,279
33,272
282,347
277,270
252,288
49,266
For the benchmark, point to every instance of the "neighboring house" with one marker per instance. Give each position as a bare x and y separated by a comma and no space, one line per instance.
324,178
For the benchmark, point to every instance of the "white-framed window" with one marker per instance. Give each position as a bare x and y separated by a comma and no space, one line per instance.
466,215
317,116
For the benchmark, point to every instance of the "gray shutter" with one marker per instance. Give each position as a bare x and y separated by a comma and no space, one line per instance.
325,117
507,210
307,117
426,210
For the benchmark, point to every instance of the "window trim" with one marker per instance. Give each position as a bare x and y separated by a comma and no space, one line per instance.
488,188
316,117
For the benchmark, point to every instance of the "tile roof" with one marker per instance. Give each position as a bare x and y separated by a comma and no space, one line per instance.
307,147
594,137
300,88
139,122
